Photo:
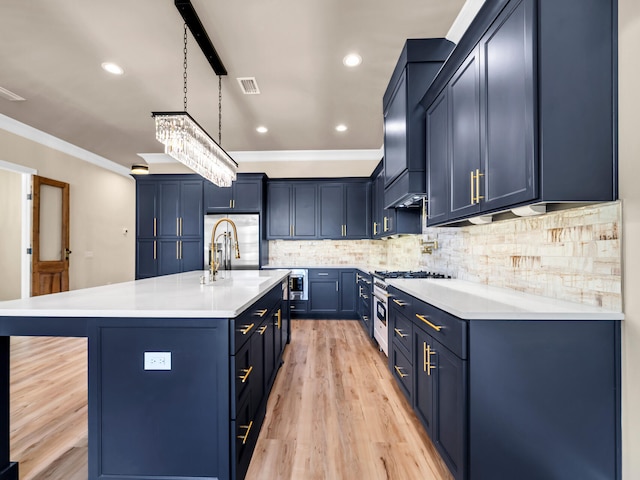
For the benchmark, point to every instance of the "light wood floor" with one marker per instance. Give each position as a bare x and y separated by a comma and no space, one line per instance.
334,412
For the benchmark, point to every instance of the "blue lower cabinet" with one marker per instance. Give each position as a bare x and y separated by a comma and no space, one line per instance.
332,294
511,399
440,399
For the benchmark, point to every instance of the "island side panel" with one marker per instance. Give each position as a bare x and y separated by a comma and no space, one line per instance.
8,470
544,399
159,422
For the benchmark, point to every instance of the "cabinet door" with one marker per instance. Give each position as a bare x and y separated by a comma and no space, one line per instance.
377,206
304,210
425,375
357,210
168,256
348,291
277,335
247,195
437,119
464,98
331,210
169,209
191,212
278,210
395,132
508,108
450,409
323,296
256,376
146,264
146,218
217,198
267,331
191,256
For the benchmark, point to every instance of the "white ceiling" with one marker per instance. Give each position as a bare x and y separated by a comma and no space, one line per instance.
51,52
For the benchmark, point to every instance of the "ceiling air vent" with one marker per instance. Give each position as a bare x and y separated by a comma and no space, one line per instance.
249,85
9,95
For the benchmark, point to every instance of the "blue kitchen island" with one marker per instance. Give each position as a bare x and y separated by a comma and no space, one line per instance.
180,369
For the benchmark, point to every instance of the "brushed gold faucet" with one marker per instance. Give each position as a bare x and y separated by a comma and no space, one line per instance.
213,263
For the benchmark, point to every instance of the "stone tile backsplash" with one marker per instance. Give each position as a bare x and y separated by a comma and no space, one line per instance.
572,254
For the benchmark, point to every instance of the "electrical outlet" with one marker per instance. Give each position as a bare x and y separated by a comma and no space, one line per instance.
157,360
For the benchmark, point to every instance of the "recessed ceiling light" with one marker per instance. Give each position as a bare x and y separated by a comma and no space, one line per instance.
112,68
352,60
262,129
341,128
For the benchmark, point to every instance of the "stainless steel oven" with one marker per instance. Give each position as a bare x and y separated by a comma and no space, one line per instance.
298,284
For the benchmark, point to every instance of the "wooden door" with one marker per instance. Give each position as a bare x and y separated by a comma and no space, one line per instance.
50,236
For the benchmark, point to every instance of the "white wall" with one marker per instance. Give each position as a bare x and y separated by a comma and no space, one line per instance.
629,162
102,205
10,233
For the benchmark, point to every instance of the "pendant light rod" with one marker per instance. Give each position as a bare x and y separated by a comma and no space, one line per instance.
200,34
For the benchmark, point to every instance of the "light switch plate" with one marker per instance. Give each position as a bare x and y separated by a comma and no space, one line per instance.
157,360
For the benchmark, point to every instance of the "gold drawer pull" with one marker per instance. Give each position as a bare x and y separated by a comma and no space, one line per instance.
279,315
246,434
400,302
261,313
262,329
247,328
400,334
247,372
427,358
437,328
402,375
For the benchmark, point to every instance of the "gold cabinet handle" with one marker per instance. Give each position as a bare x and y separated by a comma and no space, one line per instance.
385,225
473,197
291,230
177,226
398,369
400,302
437,328
478,175
177,250
230,203
279,315
155,226
427,358
246,434
261,313
247,372
365,296
247,328
262,329
365,318
155,250
375,228
399,333
180,249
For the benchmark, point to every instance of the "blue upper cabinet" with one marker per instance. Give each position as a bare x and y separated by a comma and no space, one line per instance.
345,210
244,196
404,133
291,210
523,111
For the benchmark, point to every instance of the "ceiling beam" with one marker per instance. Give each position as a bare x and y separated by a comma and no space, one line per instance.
200,34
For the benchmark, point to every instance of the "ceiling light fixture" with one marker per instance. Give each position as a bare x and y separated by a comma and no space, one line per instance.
352,60
183,138
262,129
341,128
139,169
112,68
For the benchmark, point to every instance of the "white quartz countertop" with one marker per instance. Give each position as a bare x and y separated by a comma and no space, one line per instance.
171,296
474,301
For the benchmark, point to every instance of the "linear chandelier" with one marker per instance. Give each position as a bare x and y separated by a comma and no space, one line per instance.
183,138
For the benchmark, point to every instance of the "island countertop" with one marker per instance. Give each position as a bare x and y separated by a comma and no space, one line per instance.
475,301
172,296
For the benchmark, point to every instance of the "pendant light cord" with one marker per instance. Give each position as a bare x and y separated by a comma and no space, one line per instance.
220,110
184,64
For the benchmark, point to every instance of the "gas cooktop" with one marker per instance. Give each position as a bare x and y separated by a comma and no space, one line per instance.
409,274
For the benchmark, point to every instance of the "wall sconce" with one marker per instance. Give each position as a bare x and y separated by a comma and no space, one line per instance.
139,169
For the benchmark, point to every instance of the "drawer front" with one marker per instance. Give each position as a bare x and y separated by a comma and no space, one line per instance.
244,372
403,333
249,320
298,306
402,370
245,431
450,331
401,302
324,273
